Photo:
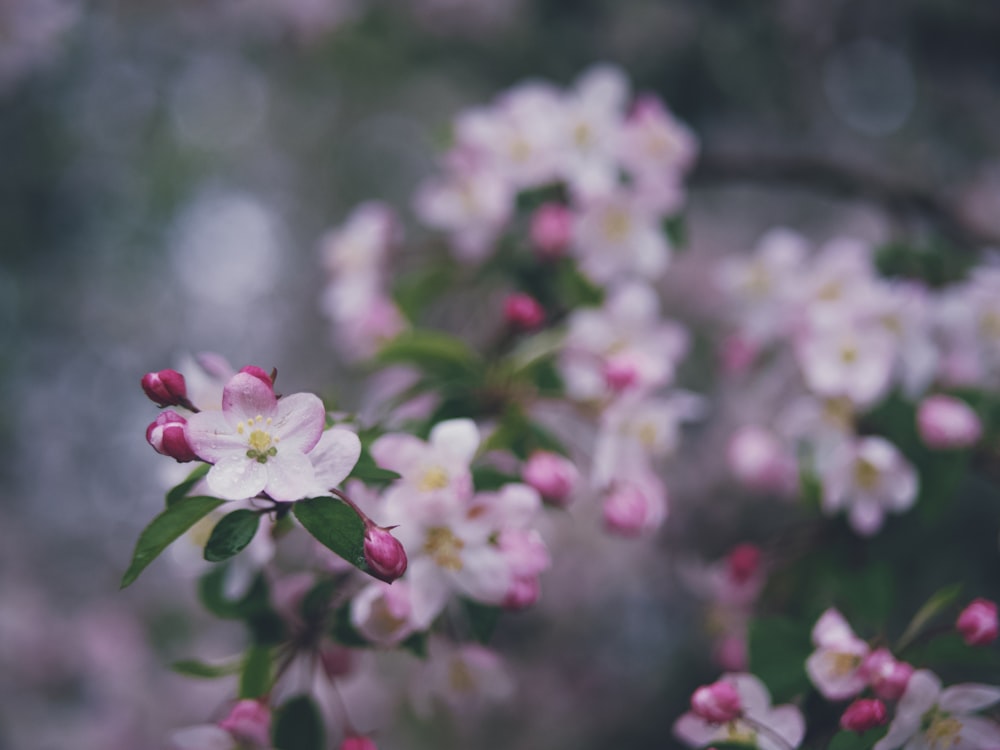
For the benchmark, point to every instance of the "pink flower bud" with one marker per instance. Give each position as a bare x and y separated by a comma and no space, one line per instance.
978,622
168,438
165,388
864,714
621,373
523,592
630,509
523,311
261,375
887,676
249,720
945,422
554,476
716,703
759,461
737,354
743,562
551,230
384,554
730,653
355,742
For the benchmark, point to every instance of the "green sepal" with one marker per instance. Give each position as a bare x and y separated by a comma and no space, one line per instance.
336,526
205,670
298,725
939,601
231,534
166,528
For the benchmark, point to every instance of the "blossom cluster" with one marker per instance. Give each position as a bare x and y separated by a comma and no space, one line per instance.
852,338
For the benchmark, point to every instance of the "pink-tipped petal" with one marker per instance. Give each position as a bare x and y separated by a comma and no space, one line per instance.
246,397
299,422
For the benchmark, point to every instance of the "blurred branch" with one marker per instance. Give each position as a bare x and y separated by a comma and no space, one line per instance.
903,198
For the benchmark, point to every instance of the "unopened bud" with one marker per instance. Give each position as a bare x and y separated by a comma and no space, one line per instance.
946,423
523,311
760,462
166,435
621,373
743,562
336,661
551,230
261,374
354,742
523,592
864,714
249,721
554,476
630,509
165,388
384,554
716,703
887,676
978,623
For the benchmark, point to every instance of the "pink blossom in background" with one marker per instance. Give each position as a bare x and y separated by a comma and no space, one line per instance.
888,678
929,717
945,422
784,725
977,623
551,230
864,714
835,666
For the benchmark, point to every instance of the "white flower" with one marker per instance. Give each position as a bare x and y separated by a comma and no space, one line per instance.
835,666
929,718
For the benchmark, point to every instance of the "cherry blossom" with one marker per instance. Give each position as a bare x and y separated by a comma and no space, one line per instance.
258,443
835,666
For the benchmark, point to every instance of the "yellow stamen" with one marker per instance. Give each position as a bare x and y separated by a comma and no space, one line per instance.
444,548
433,478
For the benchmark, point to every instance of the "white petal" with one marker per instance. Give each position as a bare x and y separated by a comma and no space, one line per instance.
290,476
237,477
212,437
202,737
968,697
694,731
246,397
456,438
299,422
334,456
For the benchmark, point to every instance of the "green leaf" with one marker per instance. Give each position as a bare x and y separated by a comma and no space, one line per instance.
949,650
938,602
265,625
231,534
483,619
255,679
335,525
487,478
164,529
853,741
778,651
298,725
204,670
414,290
675,228
370,472
438,354
416,644
182,489
343,630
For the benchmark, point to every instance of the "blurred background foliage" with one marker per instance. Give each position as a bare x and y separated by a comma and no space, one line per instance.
169,166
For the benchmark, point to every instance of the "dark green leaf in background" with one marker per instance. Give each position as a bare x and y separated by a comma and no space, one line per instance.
778,651
298,725
255,679
335,525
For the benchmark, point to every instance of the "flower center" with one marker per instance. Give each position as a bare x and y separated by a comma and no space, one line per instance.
460,677
737,731
444,547
944,731
433,478
616,225
262,444
866,474
842,664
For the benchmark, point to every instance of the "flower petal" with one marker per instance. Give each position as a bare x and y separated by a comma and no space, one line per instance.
236,477
334,456
456,438
968,697
246,397
299,422
290,476
213,438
